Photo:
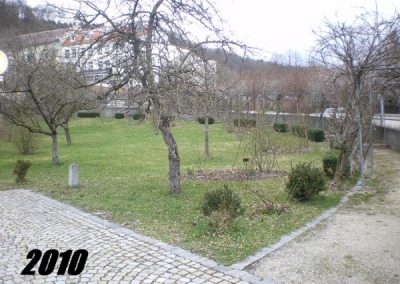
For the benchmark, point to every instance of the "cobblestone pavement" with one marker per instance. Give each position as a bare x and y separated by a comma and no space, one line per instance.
116,255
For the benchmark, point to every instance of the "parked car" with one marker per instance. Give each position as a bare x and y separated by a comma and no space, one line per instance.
330,111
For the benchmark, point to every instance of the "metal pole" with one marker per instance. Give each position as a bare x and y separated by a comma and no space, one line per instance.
371,141
360,140
382,107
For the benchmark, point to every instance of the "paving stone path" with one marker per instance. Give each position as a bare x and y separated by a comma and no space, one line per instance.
116,255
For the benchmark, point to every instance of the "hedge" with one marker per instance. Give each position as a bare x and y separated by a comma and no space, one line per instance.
202,120
244,122
330,162
316,135
119,115
299,130
138,116
305,181
334,144
280,127
88,114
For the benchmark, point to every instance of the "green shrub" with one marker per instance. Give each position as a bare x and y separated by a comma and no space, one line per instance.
139,116
244,122
330,162
88,114
119,115
224,203
334,144
25,141
21,169
299,130
305,181
316,135
280,127
202,120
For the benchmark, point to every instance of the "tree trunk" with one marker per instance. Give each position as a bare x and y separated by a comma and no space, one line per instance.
173,156
344,156
54,148
321,116
10,131
67,134
342,160
206,148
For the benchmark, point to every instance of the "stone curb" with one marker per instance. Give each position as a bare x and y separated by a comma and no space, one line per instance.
291,236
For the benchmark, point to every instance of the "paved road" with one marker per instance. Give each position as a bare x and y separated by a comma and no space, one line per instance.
116,255
390,122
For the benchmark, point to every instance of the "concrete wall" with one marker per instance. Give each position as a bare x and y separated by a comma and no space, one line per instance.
111,111
291,119
388,136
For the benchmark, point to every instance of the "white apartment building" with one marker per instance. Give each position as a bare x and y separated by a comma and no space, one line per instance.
97,58
94,59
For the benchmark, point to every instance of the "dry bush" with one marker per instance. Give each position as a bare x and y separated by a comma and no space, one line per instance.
25,141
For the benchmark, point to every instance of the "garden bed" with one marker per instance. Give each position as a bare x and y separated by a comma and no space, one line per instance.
233,174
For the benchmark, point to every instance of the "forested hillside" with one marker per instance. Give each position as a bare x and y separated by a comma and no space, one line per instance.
16,18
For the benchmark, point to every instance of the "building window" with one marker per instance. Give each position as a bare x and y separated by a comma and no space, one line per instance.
107,63
66,53
72,37
90,65
106,50
73,53
115,48
100,65
89,52
29,57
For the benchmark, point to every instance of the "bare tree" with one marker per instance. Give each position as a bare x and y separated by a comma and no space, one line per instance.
143,30
208,89
355,53
41,94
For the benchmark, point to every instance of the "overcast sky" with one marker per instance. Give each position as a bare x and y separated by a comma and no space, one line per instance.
277,26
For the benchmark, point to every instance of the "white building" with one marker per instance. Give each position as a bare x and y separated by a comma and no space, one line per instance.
98,56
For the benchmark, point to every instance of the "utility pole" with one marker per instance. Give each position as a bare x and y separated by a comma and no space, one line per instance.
382,108
371,124
360,139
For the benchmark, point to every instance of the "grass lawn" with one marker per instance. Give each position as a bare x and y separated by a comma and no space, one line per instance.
123,174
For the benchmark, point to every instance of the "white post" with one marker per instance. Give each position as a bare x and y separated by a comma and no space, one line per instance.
73,180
